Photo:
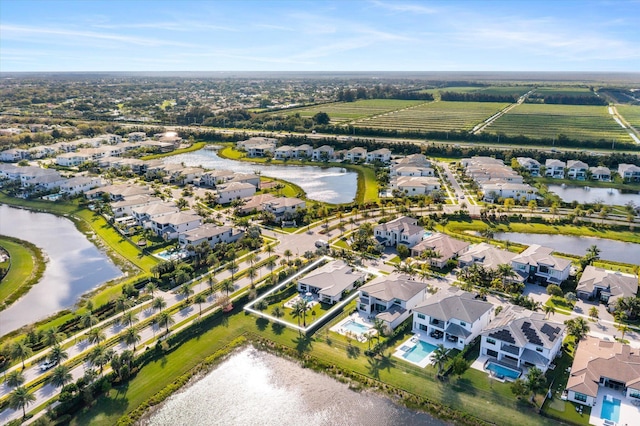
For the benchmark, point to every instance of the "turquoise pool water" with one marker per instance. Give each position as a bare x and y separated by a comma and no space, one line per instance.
306,298
171,255
355,327
419,352
610,410
501,371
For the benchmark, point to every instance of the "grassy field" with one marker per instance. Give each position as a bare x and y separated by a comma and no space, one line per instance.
564,91
196,146
548,121
25,268
435,116
631,113
340,112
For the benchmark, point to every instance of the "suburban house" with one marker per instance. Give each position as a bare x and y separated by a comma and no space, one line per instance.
122,208
403,230
254,203
118,191
536,264
282,152
38,178
212,234
520,338
323,153
79,184
356,154
415,185
283,205
577,169
411,171
144,214
600,173
137,136
601,364
172,225
258,146
606,286
390,299
502,190
303,151
486,255
212,178
455,318
530,165
439,248
412,160
251,178
72,159
629,172
554,168
382,155
331,281
14,155
234,191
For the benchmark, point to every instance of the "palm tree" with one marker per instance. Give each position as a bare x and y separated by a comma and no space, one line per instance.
504,271
622,328
128,318
200,299
19,350
130,337
212,281
21,398
577,327
95,336
158,303
57,354
14,379
228,286
535,381
186,291
99,356
252,274
287,253
165,320
593,313
299,309
52,336
269,249
277,312
122,303
548,310
151,288
60,376
88,320
439,356
380,327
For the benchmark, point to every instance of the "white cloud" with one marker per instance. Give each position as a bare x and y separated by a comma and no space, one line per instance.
405,7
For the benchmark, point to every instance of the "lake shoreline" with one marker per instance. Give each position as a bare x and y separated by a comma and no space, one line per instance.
39,259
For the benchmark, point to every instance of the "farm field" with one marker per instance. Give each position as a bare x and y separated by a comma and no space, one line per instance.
565,91
436,116
346,111
490,90
631,113
580,122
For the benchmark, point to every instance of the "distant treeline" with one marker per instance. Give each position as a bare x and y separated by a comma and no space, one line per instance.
381,92
477,97
586,99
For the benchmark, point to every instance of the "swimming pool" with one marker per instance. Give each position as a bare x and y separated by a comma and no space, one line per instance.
171,254
610,409
419,352
502,372
307,298
355,327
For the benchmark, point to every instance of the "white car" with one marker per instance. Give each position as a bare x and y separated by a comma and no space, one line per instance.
47,364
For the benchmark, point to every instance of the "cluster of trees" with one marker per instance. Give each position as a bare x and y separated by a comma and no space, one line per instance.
586,99
500,278
478,97
382,92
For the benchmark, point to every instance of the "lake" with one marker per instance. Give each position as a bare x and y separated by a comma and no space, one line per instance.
258,388
609,249
75,266
331,184
609,196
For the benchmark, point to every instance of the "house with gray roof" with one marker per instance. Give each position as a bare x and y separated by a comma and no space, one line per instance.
172,225
486,255
403,230
455,318
600,173
390,298
519,338
536,264
606,286
442,246
554,168
331,281
210,233
577,169
144,214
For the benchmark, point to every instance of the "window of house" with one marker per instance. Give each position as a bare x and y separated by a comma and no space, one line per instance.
492,353
539,349
421,316
464,324
634,393
491,341
580,397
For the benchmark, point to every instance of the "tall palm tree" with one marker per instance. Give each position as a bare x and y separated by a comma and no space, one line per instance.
186,291
158,303
19,350
95,336
622,328
130,337
14,379
439,356
548,310
200,299
227,286
212,281
577,327
380,327
151,288
287,253
123,303
504,271
21,398
52,336
299,310
88,320
593,313
165,320
128,318
535,381
57,354
99,356
60,376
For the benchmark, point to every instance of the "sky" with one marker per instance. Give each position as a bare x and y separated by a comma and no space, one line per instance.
305,35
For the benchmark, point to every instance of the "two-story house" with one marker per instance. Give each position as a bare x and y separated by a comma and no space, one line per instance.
438,249
390,299
144,214
212,234
382,155
530,165
403,230
330,282
536,264
283,152
282,205
322,153
629,172
577,169
172,225
486,255
78,184
356,154
124,207
234,191
303,151
606,286
519,338
455,318
415,185
554,168
600,173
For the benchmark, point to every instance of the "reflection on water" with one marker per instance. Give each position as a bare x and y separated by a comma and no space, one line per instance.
582,195
609,249
332,185
257,388
74,265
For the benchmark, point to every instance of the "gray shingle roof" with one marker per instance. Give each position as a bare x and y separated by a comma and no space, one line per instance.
393,287
449,306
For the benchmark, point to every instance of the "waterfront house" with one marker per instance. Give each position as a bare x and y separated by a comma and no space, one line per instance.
212,178
39,178
250,178
171,226
124,207
577,169
629,172
390,299
323,153
486,255
554,168
283,205
530,165
118,192
606,286
79,184
303,151
283,152
72,159
382,155
356,154
411,171
492,192
403,230
600,173
254,203
144,214
521,339
443,246
234,191
14,155
212,234
536,264
455,318
415,185
412,160
258,146
330,282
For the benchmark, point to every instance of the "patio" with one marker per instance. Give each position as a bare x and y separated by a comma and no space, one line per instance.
629,413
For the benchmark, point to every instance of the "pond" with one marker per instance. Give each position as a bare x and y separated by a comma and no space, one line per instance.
331,184
609,196
75,266
257,388
609,249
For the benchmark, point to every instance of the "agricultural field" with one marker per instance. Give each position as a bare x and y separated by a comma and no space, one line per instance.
580,122
340,112
564,91
631,113
435,116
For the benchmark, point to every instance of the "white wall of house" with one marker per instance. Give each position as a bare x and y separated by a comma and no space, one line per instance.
423,324
581,398
226,196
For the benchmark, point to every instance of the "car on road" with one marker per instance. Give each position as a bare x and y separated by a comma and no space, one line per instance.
462,197
322,244
46,364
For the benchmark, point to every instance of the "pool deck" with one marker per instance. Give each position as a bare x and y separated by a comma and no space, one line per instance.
480,362
409,344
356,317
629,413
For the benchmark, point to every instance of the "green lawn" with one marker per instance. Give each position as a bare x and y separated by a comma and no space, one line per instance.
340,112
560,304
25,268
195,147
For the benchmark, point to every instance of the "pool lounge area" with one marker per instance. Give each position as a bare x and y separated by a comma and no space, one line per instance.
497,370
356,326
613,408
415,351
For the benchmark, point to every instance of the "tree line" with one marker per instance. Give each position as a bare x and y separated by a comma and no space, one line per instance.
559,99
478,97
382,92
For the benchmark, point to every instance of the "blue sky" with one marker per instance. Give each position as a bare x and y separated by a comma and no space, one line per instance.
348,35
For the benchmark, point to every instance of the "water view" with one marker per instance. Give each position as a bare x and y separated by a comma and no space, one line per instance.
609,249
74,265
276,391
332,185
609,196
